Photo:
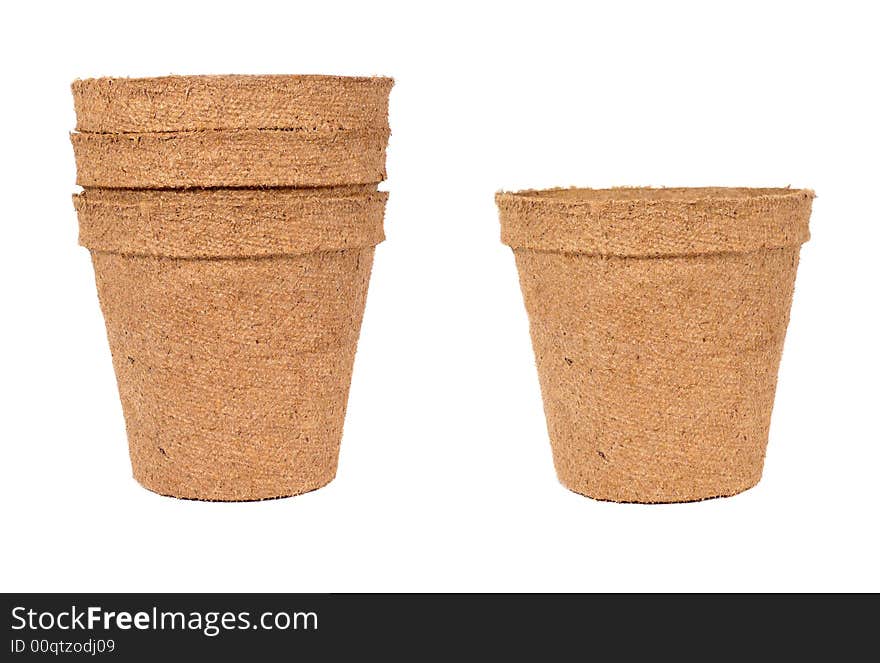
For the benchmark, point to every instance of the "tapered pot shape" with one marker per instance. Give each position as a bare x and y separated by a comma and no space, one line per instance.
657,319
233,318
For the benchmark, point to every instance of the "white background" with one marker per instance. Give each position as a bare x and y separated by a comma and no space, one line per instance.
446,480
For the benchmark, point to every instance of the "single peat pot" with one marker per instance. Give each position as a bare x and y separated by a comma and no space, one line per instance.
233,318
657,319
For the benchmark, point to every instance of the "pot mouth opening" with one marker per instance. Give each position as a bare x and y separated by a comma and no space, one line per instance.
234,78
576,195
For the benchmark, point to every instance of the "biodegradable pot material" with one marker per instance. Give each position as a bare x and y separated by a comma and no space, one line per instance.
193,103
657,318
238,158
233,318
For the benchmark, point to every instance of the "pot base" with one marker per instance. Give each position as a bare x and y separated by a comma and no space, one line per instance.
184,492
626,497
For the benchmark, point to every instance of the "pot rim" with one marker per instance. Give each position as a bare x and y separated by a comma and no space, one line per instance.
237,78
574,196
654,222
229,223
110,105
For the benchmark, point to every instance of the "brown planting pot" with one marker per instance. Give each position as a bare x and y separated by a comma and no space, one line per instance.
657,318
233,318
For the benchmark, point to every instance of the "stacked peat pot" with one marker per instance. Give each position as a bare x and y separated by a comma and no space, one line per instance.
232,222
657,318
